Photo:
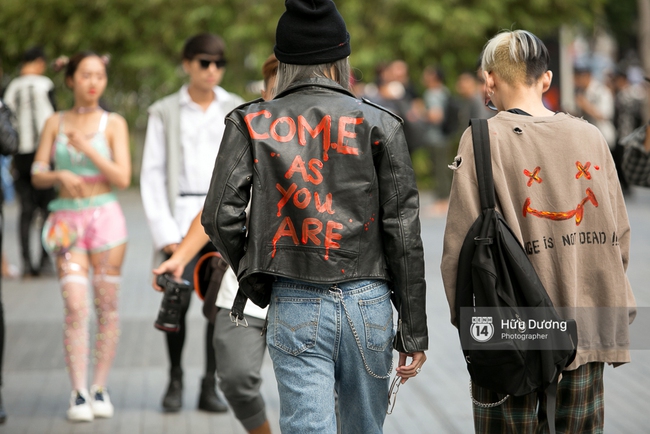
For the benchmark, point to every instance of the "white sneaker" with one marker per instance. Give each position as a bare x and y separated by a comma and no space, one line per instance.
101,402
80,410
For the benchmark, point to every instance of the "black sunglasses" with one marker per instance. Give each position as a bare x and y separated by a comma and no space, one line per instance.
205,63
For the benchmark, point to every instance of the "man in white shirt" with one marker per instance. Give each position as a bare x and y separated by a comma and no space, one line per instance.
31,97
184,132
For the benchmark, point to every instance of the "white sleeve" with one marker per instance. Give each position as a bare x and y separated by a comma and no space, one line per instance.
153,182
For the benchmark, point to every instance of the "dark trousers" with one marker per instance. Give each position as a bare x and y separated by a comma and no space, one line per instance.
176,341
32,203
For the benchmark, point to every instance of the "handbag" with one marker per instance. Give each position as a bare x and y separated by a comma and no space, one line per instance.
208,274
59,235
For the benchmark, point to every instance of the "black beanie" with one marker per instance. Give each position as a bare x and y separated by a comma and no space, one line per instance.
311,32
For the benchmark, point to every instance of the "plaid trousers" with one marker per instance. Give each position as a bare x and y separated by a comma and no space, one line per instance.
580,407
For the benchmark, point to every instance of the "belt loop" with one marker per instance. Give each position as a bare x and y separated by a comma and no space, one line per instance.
334,289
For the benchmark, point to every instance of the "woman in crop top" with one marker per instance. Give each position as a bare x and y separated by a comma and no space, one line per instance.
84,152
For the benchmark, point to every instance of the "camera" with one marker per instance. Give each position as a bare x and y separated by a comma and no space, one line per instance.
176,295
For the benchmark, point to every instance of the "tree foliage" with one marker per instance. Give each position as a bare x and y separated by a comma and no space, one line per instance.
145,37
622,20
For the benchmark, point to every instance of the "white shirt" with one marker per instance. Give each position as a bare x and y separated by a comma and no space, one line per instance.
227,293
27,96
201,134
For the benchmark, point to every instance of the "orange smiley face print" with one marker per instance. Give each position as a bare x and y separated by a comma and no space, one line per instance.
577,212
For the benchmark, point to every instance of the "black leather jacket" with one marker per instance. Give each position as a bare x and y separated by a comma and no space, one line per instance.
333,199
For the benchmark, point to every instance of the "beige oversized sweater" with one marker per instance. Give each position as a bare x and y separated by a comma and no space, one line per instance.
556,186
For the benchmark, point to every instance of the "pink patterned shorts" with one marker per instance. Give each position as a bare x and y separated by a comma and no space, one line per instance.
97,228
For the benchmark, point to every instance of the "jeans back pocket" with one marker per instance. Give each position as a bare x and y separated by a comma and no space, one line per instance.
377,316
295,324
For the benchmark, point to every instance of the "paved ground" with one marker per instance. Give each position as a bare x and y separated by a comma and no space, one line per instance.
36,388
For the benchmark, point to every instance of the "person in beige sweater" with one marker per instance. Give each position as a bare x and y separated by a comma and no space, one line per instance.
557,187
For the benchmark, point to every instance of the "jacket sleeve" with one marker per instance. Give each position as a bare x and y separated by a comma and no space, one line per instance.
399,213
224,212
464,209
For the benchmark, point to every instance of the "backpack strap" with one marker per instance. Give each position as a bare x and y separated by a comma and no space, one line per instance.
483,161
551,390
551,402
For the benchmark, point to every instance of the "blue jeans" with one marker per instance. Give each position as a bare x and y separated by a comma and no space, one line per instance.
325,338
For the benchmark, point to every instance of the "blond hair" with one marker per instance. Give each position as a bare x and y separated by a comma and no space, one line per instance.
516,57
289,73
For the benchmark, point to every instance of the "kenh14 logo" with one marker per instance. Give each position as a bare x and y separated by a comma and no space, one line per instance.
482,329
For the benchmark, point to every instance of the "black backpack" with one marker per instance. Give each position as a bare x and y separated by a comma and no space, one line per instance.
497,286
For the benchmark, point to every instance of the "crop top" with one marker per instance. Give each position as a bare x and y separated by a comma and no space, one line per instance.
67,157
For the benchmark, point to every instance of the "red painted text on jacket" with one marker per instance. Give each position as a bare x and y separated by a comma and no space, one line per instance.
262,127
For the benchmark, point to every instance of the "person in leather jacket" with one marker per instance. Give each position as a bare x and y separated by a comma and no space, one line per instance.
333,233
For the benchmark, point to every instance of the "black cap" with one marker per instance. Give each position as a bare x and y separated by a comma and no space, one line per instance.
311,32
